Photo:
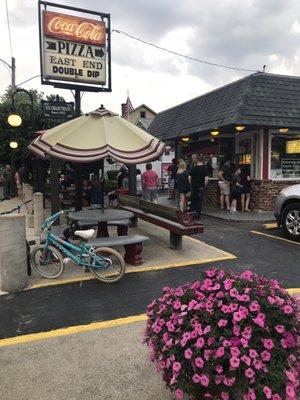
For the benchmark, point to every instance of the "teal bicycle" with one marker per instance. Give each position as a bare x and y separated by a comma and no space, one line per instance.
105,263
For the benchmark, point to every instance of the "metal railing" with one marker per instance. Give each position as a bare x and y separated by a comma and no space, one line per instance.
18,208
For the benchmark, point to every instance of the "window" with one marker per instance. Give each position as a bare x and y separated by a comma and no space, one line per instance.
285,155
143,114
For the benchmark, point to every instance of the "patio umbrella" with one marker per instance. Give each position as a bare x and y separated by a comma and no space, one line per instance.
95,136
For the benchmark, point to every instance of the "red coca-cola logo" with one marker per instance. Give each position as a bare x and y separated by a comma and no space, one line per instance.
69,27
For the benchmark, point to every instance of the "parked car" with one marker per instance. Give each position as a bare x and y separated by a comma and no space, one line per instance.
287,211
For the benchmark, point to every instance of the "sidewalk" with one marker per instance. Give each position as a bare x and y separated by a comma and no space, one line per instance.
252,216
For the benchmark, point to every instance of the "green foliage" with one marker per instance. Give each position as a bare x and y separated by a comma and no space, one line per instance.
110,185
32,122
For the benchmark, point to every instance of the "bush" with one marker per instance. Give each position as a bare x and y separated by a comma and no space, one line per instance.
226,336
112,175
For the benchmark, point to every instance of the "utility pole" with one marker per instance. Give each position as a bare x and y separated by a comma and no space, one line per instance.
13,73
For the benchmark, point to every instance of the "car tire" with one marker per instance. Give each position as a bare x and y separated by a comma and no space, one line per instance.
291,228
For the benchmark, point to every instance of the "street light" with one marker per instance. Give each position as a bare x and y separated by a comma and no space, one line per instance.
13,144
14,120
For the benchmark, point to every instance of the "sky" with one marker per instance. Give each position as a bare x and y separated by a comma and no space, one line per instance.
239,33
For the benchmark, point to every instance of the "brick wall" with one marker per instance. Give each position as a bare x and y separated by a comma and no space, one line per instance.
263,196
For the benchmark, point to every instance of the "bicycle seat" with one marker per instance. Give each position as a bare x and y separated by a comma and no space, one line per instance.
87,234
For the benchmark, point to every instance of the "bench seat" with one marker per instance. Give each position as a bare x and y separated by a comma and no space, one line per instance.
133,246
176,229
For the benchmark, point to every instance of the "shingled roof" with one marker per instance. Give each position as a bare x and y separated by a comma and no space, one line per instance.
259,99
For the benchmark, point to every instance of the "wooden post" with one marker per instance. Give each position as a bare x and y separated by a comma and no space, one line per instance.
132,179
54,184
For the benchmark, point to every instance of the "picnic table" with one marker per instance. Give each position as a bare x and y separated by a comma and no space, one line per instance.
101,218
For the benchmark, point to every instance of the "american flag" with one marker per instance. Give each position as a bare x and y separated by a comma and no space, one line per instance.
128,108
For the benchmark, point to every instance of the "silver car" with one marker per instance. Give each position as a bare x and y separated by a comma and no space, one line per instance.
287,211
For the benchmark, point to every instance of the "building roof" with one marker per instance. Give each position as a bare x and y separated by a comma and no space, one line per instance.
143,106
259,99
144,123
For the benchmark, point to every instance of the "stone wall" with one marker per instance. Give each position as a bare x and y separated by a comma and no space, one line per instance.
263,196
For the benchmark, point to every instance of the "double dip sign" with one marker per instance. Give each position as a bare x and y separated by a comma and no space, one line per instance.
74,49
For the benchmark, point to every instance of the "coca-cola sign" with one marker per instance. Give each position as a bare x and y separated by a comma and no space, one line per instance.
75,29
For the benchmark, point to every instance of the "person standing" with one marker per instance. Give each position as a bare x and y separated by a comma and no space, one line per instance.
139,187
246,181
225,176
183,185
94,192
236,189
150,184
198,179
172,171
6,179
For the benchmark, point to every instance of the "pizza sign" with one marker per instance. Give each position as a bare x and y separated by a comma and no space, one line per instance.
74,48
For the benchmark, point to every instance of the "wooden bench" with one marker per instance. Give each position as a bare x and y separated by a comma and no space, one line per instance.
178,223
133,245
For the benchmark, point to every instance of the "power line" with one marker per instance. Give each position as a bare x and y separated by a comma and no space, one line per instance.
8,27
27,80
7,66
182,55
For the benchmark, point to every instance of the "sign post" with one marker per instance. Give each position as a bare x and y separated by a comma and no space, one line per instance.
75,54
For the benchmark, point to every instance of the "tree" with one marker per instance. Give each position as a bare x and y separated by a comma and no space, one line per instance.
26,132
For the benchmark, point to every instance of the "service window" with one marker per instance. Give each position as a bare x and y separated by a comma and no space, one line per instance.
285,156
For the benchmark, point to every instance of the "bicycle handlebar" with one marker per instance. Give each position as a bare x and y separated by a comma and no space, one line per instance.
49,221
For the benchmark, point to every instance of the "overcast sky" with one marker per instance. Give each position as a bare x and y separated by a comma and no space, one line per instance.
240,33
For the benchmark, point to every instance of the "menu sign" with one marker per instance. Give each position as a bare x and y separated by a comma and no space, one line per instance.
290,167
74,48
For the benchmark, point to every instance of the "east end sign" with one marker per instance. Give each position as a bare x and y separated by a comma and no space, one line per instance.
74,48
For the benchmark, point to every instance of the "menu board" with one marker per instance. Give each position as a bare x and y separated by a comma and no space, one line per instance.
290,167
293,146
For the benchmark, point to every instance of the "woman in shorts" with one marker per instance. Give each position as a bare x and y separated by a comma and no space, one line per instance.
183,185
225,176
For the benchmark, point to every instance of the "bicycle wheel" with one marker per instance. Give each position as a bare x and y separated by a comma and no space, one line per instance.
113,267
47,262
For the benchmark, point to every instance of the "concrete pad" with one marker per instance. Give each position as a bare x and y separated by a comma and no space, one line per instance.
105,364
156,255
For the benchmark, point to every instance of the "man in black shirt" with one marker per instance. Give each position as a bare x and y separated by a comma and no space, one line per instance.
198,179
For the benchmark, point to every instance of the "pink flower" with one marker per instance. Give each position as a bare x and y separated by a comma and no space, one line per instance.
199,362
234,362
207,329
210,341
253,353
186,336
179,394
246,360
289,390
271,300
200,343
268,344
194,334
257,364
228,284
222,323
211,273
251,394
284,343
170,327
265,355
291,376
196,378
247,275
233,292
249,373
177,305
243,312
188,354
229,381
207,354
288,309
219,369
220,352
244,342
176,367
204,380
224,396
279,328
235,352
276,397
268,392
260,320
254,306
236,330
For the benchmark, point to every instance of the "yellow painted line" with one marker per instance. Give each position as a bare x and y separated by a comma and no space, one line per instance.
294,290
132,270
275,237
271,226
72,330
